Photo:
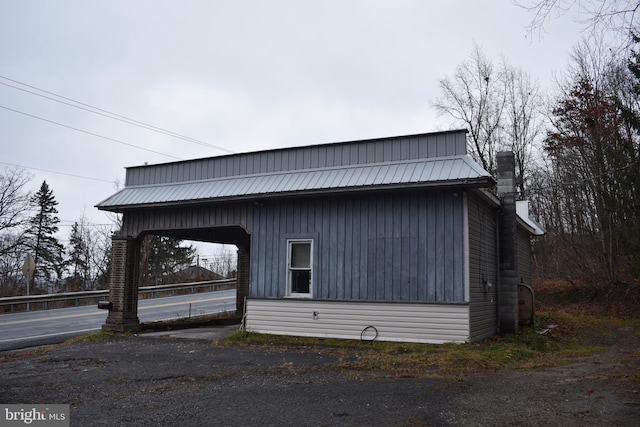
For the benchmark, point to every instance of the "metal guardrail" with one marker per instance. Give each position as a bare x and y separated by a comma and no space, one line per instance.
101,294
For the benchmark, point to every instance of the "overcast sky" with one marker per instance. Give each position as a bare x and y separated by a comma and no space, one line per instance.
237,75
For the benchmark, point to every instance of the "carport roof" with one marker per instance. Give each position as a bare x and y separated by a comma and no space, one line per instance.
429,172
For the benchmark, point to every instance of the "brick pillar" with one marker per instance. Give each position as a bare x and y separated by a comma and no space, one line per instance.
242,290
123,286
508,285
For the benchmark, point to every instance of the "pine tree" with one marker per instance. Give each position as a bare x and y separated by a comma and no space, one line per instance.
43,226
162,257
78,261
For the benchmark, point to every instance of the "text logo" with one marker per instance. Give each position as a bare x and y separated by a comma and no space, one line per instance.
34,415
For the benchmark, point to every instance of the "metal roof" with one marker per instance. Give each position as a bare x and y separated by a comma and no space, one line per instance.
522,210
428,172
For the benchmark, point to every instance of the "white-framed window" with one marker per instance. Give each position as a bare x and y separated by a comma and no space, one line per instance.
299,267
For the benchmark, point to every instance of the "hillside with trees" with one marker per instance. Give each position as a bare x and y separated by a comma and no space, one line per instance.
577,148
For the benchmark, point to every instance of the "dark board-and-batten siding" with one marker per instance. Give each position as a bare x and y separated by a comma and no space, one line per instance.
483,265
187,218
523,256
385,247
318,156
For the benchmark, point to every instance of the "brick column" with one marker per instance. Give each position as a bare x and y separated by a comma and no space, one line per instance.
123,286
508,285
242,290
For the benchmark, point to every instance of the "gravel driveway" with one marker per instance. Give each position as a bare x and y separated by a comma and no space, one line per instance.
169,381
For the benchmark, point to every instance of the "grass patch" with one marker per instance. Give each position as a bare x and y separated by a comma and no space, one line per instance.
93,336
220,319
619,300
553,339
16,354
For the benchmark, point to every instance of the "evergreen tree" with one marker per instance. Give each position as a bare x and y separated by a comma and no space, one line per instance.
41,235
78,261
163,257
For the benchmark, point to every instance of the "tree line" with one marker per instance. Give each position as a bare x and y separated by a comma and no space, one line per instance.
29,224
577,148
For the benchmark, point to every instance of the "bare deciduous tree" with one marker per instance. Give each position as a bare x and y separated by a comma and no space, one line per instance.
522,122
14,211
475,97
14,207
500,106
621,17
592,158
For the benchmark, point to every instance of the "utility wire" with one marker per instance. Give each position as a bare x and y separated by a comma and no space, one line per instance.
90,133
85,224
105,113
59,173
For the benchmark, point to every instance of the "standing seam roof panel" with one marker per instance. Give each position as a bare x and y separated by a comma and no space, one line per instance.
423,170
304,181
243,187
407,176
445,172
436,173
368,176
397,174
338,179
254,185
257,183
418,170
456,169
286,181
268,185
331,179
204,190
280,183
191,194
383,171
347,176
322,178
274,184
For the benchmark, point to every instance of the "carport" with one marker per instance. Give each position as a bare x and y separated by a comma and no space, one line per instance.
204,223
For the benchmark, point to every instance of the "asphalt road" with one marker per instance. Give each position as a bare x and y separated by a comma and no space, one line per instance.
33,328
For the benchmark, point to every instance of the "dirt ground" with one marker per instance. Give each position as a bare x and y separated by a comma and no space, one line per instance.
151,380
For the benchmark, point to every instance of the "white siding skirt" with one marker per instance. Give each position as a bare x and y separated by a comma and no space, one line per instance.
391,321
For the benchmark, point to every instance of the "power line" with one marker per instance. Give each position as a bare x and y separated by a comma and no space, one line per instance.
85,224
89,133
105,113
59,173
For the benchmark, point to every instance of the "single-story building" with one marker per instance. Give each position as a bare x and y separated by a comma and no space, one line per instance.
403,239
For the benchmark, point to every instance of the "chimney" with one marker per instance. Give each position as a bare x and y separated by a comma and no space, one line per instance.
508,274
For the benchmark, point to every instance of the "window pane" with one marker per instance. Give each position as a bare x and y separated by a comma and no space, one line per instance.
301,255
300,281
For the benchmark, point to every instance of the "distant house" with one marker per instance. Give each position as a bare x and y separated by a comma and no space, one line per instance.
195,273
401,239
